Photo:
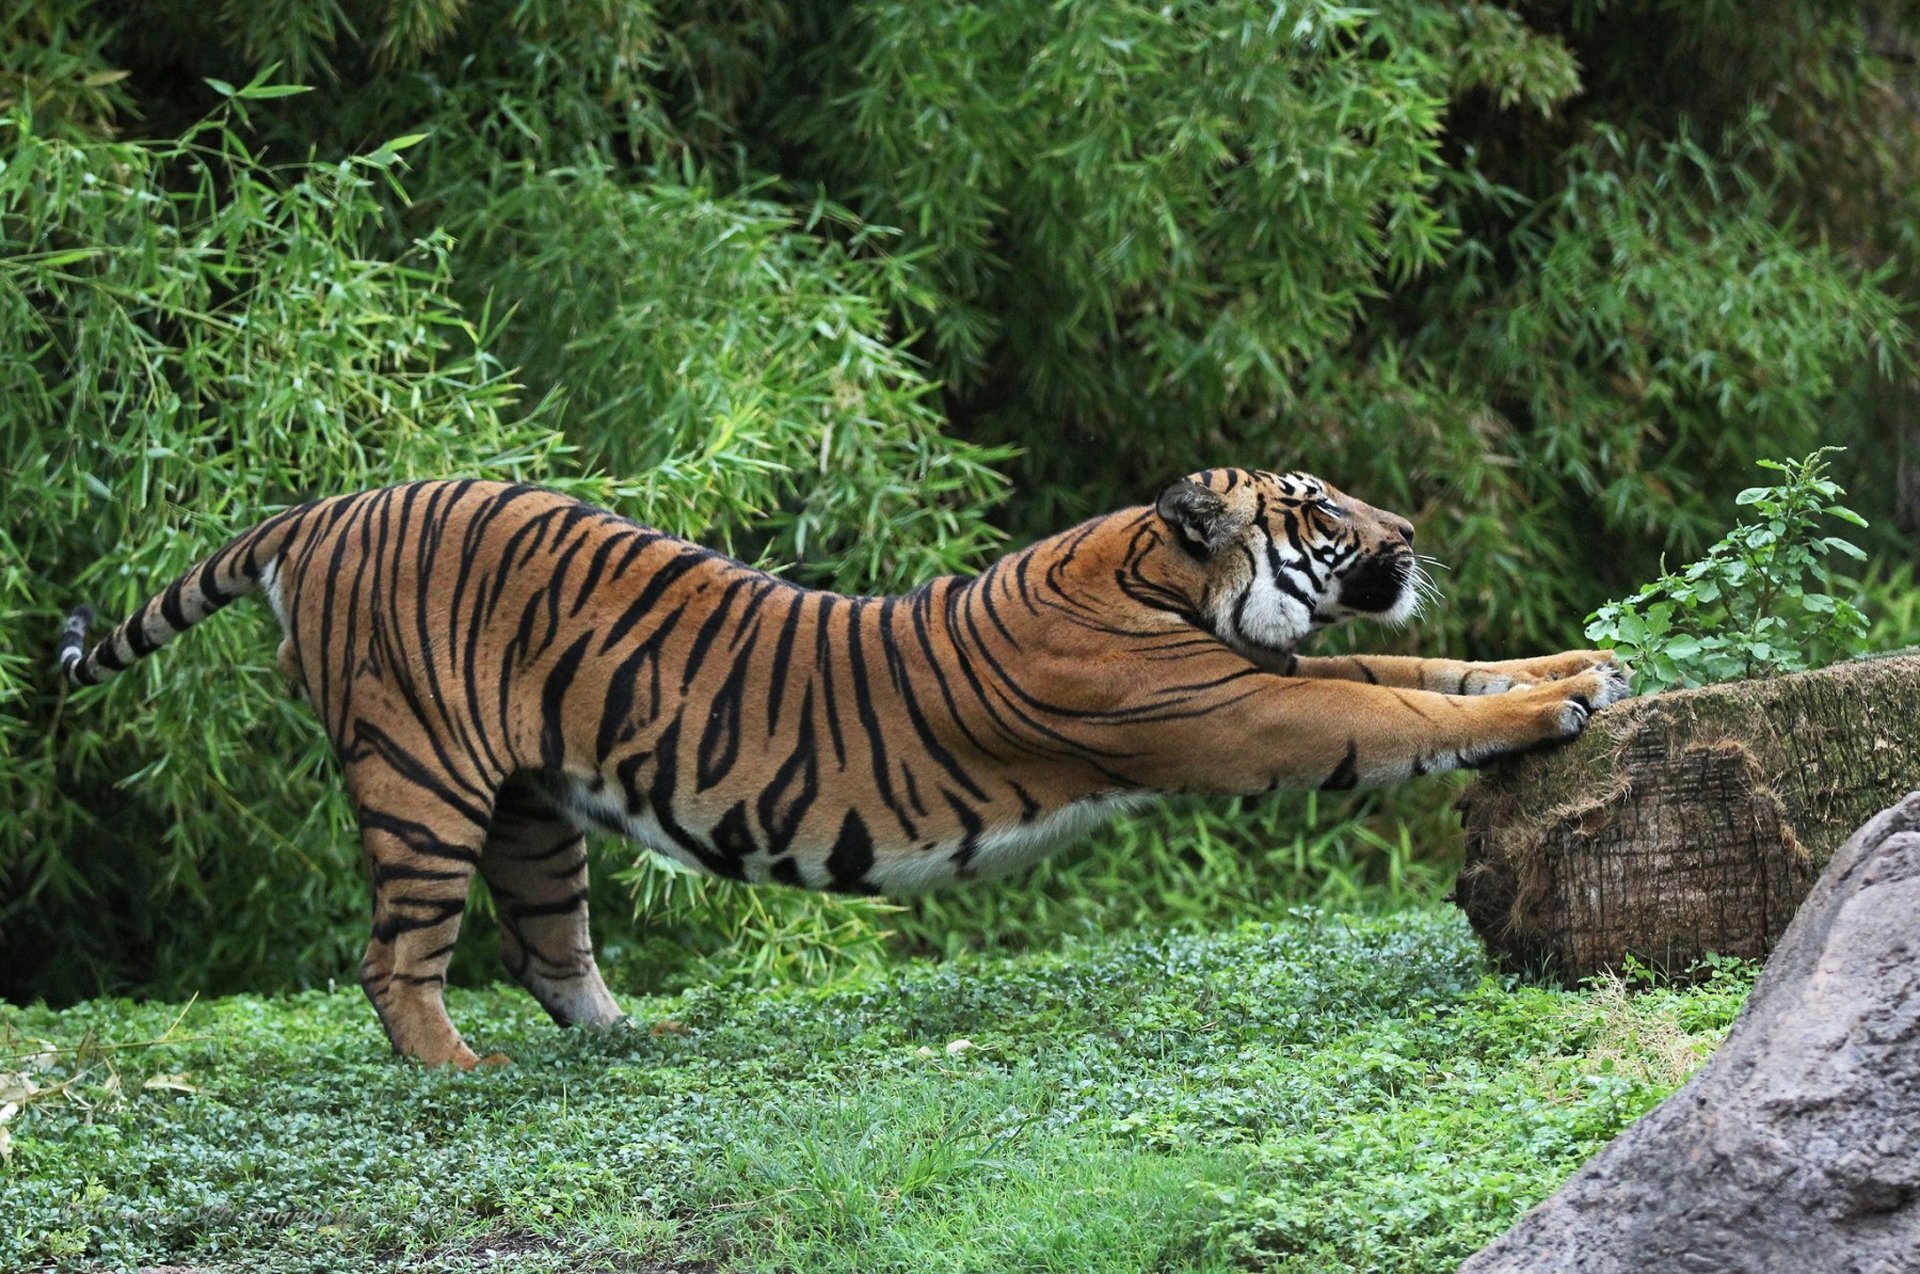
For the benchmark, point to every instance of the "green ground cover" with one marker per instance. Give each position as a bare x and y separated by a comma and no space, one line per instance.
1323,1093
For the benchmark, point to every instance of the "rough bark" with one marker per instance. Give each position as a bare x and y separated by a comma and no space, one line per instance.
1684,823
1797,1146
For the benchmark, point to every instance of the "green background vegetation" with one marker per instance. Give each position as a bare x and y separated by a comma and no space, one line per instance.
865,291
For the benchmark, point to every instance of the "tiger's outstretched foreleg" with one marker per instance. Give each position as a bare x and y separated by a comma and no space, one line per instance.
1331,733
1451,676
535,862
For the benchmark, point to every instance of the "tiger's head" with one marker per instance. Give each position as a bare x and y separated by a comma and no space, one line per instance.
1282,554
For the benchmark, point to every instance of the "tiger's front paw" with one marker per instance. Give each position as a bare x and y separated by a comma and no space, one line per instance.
1615,679
1570,701
1568,663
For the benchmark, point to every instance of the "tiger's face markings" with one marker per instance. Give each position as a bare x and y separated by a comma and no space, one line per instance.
1285,554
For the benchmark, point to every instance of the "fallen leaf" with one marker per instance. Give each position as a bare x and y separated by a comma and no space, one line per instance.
172,1083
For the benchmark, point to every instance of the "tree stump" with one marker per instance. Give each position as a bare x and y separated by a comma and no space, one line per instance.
1684,823
1797,1146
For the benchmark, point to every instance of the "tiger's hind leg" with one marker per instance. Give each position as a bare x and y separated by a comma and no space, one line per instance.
422,839
535,862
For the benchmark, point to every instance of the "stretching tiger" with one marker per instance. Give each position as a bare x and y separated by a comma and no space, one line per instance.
499,667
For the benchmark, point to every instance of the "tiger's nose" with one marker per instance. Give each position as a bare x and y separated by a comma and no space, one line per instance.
1401,527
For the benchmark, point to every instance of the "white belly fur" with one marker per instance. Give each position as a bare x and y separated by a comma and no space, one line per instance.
897,869
998,852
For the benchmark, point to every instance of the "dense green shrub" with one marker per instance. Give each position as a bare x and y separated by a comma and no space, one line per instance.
1760,602
1539,338
795,277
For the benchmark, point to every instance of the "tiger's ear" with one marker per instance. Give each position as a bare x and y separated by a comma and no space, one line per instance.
1200,518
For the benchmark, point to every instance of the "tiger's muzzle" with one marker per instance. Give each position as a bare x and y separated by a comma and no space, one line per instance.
1379,583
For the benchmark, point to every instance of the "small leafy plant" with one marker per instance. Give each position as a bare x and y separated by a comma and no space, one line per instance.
1759,603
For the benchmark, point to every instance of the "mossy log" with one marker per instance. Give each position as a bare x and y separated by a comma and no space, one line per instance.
1684,823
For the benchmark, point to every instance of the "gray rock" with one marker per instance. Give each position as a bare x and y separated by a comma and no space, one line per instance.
1796,1148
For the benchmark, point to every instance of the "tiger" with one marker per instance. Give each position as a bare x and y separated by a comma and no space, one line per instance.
501,668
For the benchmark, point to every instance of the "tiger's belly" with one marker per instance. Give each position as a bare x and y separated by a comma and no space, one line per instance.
873,864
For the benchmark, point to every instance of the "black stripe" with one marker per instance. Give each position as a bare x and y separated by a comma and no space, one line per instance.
784,802
970,824
1345,775
661,798
869,719
662,579
823,662
170,608
617,719
135,630
553,696
709,633
782,659
720,741
921,604
557,907
416,836
594,567
851,857
903,683
368,736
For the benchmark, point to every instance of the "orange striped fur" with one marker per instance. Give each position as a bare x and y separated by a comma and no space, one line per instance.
500,667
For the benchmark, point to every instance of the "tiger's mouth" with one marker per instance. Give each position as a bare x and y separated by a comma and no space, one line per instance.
1381,585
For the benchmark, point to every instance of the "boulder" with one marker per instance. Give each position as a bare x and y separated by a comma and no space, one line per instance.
1796,1147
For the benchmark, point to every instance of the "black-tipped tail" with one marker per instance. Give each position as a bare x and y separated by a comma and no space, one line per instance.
231,573
71,654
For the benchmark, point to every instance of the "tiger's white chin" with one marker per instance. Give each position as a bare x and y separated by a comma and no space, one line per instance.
1404,608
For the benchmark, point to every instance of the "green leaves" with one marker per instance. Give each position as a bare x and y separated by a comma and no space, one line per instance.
735,374
259,88
1127,200
389,154
1755,605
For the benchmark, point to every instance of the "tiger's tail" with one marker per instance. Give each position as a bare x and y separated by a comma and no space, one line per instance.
242,567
